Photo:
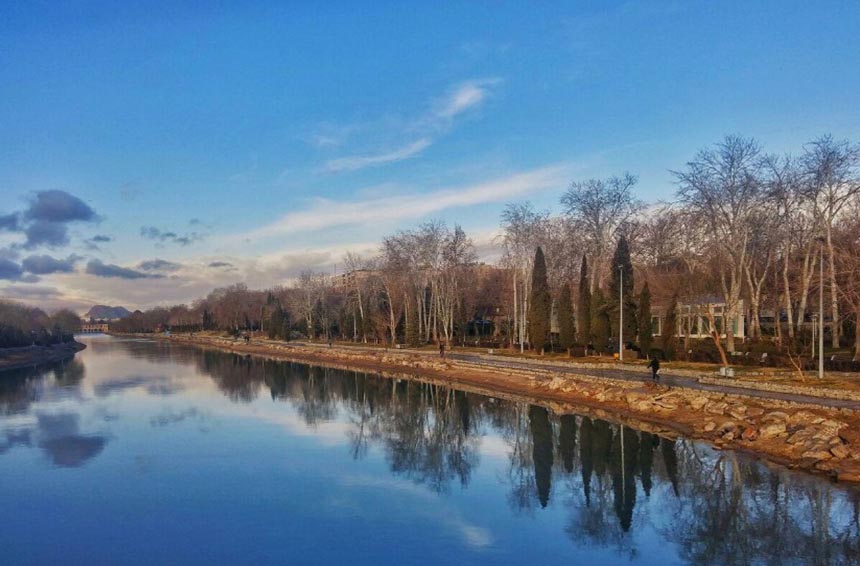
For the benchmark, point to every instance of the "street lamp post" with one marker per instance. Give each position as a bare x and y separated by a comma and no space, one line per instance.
621,313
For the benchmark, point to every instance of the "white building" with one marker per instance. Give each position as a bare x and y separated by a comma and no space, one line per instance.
694,321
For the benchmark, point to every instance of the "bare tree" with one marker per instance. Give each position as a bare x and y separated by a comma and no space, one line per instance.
832,173
722,189
601,208
522,227
847,250
796,223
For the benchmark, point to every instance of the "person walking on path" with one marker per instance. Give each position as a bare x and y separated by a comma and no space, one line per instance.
654,364
442,350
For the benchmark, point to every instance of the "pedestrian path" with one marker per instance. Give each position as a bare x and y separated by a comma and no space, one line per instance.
644,375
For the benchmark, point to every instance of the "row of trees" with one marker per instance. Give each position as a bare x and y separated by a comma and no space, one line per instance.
748,229
21,325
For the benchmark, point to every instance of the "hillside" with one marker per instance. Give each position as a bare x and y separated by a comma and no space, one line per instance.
104,312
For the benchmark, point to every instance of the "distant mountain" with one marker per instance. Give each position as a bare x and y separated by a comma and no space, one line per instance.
104,312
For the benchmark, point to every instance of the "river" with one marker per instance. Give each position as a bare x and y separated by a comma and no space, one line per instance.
145,452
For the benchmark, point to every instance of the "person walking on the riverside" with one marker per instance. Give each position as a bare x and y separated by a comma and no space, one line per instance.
654,364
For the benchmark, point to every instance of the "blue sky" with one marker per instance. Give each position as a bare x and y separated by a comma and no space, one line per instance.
273,136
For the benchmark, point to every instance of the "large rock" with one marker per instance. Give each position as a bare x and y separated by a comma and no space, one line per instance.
803,418
696,403
749,434
738,412
840,451
817,454
771,430
800,437
717,408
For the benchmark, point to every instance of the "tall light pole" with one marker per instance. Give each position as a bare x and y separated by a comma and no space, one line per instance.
820,307
621,313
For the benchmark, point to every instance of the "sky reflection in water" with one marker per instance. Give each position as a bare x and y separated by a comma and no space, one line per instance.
144,452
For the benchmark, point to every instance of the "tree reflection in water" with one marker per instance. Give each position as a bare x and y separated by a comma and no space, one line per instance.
723,509
609,480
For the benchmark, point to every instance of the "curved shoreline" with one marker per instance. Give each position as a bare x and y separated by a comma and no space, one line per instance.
33,356
800,435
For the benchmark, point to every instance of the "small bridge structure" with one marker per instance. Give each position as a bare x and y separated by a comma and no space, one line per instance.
94,327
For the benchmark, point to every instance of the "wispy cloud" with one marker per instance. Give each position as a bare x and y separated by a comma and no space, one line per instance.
465,96
326,213
427,127
355,162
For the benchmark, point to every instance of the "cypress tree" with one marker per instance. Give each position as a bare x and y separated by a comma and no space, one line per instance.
412,338
583,310
646,338
540,304
600,310
622,258
566,328
276,323
670,327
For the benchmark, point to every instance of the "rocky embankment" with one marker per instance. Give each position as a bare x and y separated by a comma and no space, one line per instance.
804,435
16,358
809,435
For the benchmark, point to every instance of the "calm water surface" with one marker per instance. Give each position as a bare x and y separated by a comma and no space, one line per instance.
140,452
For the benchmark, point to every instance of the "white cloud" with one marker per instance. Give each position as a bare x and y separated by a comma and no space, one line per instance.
327,213
465,96
354,162
432,124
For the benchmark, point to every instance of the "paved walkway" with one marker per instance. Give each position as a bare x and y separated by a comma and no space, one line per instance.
645,375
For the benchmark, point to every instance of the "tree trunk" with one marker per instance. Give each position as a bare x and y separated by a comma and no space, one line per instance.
516,328
809,263
715,336
786,289
835,327
857,334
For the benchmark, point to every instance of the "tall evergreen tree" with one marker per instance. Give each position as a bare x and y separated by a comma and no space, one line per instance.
646,338
276,323
412,337
566,328
600,310
670,328
583,307
621,264
540,306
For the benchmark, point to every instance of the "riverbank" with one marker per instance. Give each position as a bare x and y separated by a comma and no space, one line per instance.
810,434
16,358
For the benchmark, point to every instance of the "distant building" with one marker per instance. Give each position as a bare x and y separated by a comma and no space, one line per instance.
94,327
694,322
350,279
